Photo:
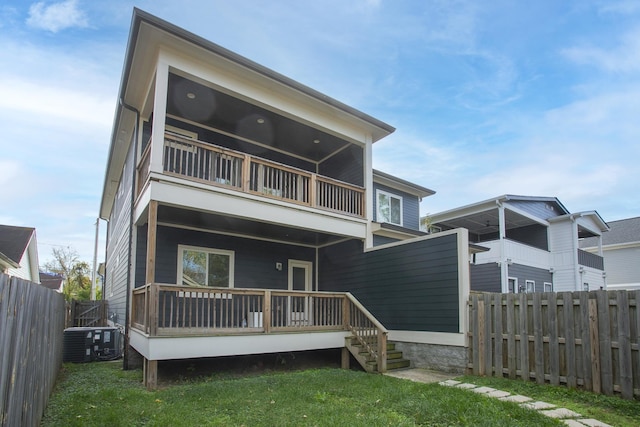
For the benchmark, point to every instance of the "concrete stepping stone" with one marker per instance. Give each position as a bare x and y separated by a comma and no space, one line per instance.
593,423
517,398
466,386
498,394
538,405
560,413
449,383
483,390
574,423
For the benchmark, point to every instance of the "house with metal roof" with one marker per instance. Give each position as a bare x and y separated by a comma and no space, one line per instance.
620,247
533,244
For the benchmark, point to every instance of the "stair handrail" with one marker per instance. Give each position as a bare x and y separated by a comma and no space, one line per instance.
379,352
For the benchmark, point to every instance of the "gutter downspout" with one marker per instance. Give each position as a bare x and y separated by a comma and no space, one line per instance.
125,357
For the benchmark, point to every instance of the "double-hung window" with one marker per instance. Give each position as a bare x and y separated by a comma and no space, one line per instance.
389,208
205,267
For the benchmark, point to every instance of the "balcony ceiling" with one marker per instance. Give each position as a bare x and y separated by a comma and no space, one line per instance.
487,222
243,227
204,105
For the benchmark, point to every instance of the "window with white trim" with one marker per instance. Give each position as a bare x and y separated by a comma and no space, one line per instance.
205,267
389,208
548,287
531,285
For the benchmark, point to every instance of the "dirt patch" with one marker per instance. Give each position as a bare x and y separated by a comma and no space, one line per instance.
178,371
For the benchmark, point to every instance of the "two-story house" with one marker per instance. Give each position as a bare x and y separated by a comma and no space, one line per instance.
533,244
620,247
244,217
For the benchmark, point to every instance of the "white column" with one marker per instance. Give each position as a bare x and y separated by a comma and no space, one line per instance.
368,189
159,115
504,268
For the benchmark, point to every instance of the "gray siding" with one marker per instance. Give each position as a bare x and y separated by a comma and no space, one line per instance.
544,210
117,256
381,240
485,277
255,260
532,235
525,272
345,166
407,287
410,206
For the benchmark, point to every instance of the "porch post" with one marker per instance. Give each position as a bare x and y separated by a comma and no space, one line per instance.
266,321
150,374
152,224
345,362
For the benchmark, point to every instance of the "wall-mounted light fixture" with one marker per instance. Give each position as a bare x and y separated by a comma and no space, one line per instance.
279,266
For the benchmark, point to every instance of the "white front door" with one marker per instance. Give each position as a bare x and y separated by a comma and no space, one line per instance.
299,280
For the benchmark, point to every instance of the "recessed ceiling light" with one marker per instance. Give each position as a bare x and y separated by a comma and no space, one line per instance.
316,141
191,95
260,120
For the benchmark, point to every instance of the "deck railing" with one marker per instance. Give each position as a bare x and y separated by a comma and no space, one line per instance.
213,165
174,310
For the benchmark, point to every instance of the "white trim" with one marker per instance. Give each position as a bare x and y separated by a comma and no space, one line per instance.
181,132
419,238
390,196
464,281
438,338
532,288
544,286
167,348
230,254
515,284
308,267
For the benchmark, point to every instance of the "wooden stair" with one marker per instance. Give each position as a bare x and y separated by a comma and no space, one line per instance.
368,362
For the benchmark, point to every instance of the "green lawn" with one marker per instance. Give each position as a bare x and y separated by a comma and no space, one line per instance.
101,394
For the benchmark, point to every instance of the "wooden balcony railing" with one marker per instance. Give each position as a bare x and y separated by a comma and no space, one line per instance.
210,164
173,310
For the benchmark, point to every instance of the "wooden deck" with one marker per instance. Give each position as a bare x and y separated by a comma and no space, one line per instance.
211,317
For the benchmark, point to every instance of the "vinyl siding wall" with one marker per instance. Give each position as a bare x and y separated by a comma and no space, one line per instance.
117,259
412,286
255,260
410,206
485,277
525,272
622,265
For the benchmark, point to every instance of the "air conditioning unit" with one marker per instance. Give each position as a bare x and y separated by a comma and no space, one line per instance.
86,344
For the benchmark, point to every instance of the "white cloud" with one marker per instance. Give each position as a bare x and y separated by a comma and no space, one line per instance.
57,16
623,57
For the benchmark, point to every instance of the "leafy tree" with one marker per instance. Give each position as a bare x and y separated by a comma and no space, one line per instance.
76,273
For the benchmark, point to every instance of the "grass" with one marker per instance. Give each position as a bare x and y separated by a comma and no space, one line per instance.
612,410
102,394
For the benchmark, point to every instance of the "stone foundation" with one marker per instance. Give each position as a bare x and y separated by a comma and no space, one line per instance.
445,358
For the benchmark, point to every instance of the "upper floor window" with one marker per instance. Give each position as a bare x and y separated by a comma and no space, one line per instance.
205,267
389,208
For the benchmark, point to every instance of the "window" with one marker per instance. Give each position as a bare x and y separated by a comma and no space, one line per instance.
389,208
548,287
513,285
531,285
205,267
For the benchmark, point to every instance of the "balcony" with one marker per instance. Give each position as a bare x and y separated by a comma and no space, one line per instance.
588,259
220,167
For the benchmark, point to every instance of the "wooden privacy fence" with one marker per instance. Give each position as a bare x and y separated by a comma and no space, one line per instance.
86,313
31,334
586,339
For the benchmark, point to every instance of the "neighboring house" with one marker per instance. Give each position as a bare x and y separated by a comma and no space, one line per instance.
533,244
620,248
52,281
19,252
245,217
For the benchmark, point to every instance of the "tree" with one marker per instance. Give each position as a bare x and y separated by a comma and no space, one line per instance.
76,273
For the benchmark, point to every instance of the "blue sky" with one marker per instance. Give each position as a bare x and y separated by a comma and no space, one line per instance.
488,98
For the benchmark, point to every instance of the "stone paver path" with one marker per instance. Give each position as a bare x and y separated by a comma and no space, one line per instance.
570,418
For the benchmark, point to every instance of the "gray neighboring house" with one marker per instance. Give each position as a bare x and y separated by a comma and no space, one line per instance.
621,251
533,244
